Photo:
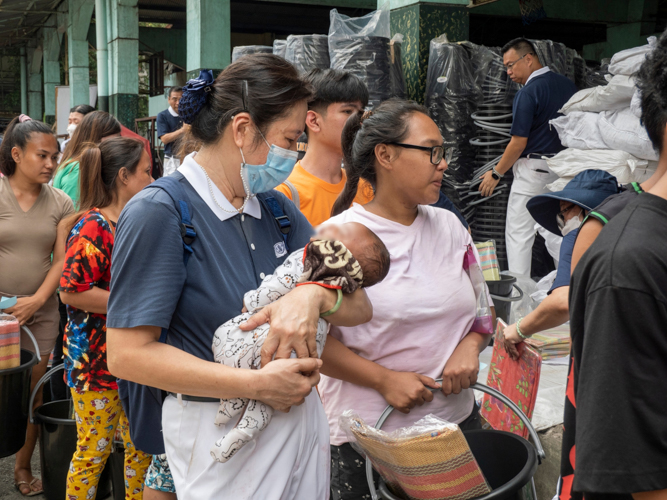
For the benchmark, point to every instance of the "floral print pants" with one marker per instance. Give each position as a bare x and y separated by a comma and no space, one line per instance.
98,415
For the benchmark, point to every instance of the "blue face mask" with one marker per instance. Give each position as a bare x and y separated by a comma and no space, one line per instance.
262,178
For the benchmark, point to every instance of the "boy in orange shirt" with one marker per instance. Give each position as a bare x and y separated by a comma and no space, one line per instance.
319,178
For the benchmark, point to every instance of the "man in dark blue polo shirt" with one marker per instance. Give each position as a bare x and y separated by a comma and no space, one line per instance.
170,128
543,94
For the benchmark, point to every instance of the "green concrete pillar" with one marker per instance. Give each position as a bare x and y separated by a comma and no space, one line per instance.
124,53
209,36
24,82
79,15
110,60
35,109
419,23
102,60
51,43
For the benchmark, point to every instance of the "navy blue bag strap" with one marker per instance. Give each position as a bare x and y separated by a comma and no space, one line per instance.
281,218
175,190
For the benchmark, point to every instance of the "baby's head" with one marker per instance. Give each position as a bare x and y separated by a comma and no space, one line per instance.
364,245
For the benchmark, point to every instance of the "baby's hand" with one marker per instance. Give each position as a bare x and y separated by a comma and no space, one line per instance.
245,309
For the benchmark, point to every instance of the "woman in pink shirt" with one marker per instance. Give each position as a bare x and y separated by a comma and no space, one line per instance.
424,309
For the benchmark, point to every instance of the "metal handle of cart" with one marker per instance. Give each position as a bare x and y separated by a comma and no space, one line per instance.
510,298
482,388
42,380
34,342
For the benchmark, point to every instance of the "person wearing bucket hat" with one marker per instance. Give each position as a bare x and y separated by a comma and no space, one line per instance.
561,213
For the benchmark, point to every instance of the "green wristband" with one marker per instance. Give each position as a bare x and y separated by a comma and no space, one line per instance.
336,307
518,329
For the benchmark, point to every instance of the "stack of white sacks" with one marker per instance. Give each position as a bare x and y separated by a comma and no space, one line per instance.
601,127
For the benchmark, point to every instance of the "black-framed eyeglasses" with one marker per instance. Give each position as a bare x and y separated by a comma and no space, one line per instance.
437,152
509,66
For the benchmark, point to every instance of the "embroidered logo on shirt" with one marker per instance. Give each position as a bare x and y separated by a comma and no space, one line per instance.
280,249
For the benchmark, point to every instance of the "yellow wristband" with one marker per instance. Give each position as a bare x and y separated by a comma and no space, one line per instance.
336,307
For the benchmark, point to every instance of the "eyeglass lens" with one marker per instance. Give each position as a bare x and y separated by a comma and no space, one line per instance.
436,154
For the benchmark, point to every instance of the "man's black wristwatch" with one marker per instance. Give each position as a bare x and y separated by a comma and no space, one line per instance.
495,174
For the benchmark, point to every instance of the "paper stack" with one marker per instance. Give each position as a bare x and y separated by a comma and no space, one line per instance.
553,343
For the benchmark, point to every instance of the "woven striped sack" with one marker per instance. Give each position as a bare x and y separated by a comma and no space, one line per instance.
10,342
431,462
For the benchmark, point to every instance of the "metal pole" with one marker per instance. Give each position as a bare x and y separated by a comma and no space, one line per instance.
102,60
24,82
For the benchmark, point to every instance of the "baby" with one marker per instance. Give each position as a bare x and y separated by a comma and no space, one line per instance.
344,257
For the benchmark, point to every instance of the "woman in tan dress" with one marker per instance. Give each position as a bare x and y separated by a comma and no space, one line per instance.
32,251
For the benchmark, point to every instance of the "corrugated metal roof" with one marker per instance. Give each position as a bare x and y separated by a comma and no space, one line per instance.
20,19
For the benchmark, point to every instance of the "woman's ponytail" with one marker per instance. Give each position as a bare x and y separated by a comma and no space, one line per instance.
99,167
349,134
92,189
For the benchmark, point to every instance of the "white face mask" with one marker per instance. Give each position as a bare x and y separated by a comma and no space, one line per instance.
71,128
570,225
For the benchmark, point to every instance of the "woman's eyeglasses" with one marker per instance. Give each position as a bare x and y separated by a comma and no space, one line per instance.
437,152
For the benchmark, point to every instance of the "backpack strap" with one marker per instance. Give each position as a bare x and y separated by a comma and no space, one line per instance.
176,192
283,221
295,194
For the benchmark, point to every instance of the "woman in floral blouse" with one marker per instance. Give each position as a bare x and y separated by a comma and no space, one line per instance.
111,174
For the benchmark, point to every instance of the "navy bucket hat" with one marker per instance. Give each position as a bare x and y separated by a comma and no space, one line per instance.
588,189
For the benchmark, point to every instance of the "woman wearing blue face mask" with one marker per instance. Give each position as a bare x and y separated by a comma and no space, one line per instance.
248,120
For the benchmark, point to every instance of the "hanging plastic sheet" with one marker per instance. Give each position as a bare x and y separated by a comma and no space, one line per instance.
280,47
244,50
308,52
361,46
557,56
452,95
397,75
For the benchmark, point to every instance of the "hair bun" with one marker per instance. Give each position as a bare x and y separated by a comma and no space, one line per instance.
194,96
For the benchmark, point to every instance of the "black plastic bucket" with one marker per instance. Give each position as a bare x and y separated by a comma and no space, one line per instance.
501,293
508,463
116,467
57,443
14,394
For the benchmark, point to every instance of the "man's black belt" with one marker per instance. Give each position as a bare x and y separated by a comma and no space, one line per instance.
196,399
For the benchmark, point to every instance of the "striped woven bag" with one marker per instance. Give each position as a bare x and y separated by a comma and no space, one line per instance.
435,465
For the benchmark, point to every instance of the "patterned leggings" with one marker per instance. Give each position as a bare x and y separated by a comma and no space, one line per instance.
98,415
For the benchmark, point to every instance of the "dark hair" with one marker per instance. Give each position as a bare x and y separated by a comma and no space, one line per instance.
84,109
376,261
92,129
99,166
175,89
274,87
18,134
521,46
652,83
186,146
333,86
388,123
